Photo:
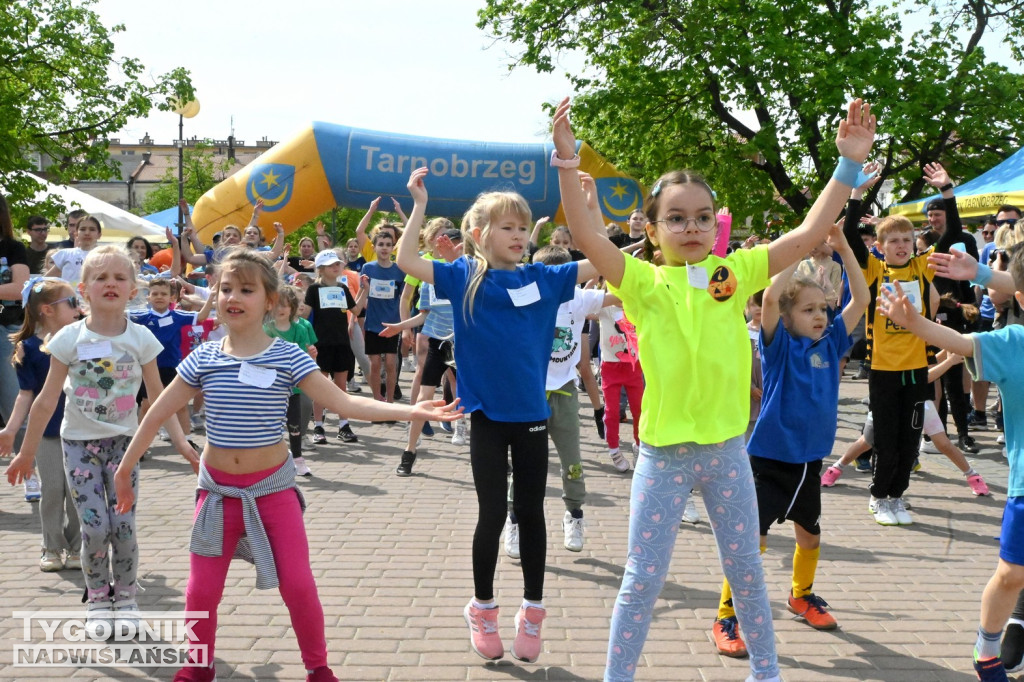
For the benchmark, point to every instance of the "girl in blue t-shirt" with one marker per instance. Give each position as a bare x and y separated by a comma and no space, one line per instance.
695,409
50,305
796,427
490,296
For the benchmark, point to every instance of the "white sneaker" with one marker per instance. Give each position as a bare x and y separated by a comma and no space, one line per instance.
573,530
1001,439
99,621
50,562
899,512
198,422
126,619
619,461
883,513
33,490
928,447
460,437
511,538
301,468
690,513
409,364
163,435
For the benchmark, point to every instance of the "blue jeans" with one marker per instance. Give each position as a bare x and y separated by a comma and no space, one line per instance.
663,479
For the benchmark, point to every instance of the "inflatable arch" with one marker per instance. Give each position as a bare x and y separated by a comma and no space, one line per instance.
329,165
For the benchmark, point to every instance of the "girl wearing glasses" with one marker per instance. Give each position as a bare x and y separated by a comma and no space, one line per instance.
50,305
695,349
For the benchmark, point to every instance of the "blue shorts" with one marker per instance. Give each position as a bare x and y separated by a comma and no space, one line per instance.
1011,539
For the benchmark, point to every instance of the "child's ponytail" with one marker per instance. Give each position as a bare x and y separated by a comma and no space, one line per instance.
37,292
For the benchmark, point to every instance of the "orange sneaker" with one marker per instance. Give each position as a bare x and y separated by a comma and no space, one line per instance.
812,609
726,633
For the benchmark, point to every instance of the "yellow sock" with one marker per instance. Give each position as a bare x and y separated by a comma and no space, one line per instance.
725,609
805,564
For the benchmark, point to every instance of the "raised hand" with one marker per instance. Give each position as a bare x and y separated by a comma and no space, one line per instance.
417,189
956,264
561,131
935,175
895,305
856,132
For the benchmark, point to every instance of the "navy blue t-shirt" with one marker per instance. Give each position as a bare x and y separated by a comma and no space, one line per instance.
800,403
32,375
384,296
502,349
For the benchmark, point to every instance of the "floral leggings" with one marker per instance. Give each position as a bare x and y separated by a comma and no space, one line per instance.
90,466
663,480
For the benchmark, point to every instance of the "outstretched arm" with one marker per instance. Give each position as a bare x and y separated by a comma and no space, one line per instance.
606,258
409,259
364,223
898,308
860,295
770,301
854,139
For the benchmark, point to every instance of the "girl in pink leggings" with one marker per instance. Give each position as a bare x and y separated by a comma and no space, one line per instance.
248,505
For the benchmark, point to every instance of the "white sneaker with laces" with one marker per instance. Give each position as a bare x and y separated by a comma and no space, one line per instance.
126,619
460,436
33,489
572,528
50,562
511,538
899,512
883,513
99,621
690,513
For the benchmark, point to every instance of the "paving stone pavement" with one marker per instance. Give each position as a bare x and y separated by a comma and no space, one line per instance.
392,561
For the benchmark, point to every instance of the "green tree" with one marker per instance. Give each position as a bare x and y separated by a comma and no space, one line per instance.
200,171
63,91
749,91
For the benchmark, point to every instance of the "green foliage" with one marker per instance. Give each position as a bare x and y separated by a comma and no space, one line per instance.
666,82
63,91
201,172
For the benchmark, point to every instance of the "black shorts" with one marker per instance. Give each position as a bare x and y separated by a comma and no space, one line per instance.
167,375
787,491
335,357
378,345
439,354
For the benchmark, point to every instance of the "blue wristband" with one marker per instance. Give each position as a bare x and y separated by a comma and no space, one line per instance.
847,171
983,277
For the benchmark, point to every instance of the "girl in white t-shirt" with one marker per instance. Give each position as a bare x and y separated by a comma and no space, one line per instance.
67,263
100,362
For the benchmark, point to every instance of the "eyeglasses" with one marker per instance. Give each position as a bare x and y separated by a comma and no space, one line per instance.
988,233
39,229
1006,221
677,223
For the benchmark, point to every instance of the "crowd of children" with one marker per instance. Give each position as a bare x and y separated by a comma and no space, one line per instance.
729,363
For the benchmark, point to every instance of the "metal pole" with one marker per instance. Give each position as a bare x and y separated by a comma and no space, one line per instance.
181,171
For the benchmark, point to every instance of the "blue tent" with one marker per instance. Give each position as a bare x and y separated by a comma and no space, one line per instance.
982,196
166,218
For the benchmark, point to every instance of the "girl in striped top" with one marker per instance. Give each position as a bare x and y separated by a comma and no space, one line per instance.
246,483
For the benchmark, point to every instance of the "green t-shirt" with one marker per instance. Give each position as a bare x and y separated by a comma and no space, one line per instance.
300,333
693,344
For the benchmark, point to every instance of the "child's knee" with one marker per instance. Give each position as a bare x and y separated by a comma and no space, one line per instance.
1010,575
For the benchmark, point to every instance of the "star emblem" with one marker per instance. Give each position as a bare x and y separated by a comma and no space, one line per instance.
270,179
619,190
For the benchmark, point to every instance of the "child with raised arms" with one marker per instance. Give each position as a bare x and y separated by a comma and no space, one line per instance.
100,361
50,305
796,428
247,379
695,349
491,296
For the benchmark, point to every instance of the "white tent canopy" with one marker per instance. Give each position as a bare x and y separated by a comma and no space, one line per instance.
117,223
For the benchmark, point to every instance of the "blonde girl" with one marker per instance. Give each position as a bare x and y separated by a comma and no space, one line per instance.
50,305
100,362
247,379
695,351
491,294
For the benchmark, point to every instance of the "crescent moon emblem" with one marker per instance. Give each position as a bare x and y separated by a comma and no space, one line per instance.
619,214
270,202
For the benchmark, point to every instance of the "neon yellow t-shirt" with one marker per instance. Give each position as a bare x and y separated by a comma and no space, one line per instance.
693,344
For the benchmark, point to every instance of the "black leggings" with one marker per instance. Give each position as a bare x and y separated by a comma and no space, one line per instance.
953,385
489,444
897,408
300,409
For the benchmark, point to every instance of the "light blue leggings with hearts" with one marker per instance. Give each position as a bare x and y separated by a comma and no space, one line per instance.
662,481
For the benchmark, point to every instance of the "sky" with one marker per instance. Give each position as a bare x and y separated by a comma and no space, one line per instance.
420,68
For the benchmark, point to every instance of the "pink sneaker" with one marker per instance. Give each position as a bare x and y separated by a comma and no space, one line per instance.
483,632
831,475
526,646
977,484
